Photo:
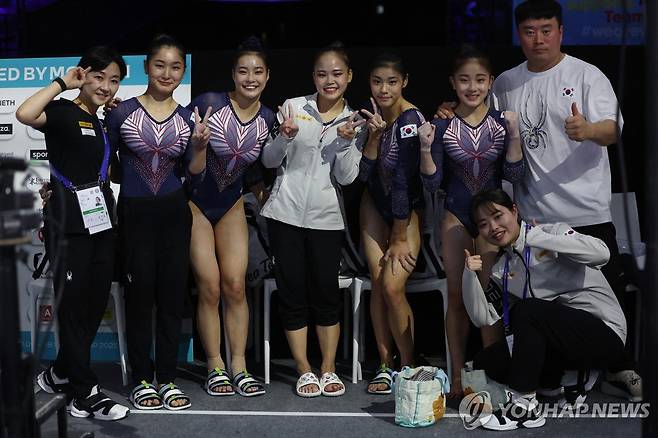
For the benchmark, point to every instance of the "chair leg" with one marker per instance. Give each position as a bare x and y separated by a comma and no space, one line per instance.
117,298
444,297
34,312
227,345
55,331
356,324
255,315
268,287
346,324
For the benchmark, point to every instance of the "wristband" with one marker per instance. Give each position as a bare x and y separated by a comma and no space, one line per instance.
61,83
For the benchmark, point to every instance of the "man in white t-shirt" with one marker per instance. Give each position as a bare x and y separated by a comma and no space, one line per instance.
568,115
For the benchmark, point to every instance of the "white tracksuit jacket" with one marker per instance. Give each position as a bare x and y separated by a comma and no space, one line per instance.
564,266
309,168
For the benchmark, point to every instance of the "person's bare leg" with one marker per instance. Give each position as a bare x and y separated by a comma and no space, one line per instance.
297,340
328,339
400,316
455,239
232,240
494,333
374,235
206,275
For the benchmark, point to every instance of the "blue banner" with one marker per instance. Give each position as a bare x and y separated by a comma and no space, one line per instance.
598,22
39,72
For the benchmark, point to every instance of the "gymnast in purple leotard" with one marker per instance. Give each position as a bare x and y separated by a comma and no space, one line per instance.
389,216
158,141
471,152
239,125
232,158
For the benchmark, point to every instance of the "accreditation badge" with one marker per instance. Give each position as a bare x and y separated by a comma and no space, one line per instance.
93,208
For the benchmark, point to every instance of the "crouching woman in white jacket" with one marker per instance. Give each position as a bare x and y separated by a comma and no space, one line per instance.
558,311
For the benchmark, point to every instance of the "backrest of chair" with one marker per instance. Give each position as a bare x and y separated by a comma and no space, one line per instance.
618,219
430,245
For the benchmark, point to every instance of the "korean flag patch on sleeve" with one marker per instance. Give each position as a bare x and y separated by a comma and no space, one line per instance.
409,131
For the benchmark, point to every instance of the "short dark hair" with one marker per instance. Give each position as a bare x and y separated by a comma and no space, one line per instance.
536,9
391,60
488,197
164,40
250,46
336,47
99,57
468,52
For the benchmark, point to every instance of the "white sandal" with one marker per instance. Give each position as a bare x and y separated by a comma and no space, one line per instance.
308,379
330,378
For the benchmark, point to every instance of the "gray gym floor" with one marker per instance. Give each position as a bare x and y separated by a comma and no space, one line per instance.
281,413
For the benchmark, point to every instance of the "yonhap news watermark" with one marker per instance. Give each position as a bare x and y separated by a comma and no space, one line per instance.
476,409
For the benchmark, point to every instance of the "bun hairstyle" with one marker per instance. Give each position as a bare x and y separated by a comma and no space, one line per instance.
250,46
336,47
161,41
468,52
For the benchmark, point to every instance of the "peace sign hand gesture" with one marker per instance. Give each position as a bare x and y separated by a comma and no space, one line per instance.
376,124
76,77
288,128
349,129
201,134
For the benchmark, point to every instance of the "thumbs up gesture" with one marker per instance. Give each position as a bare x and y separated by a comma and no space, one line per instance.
472,262
576,127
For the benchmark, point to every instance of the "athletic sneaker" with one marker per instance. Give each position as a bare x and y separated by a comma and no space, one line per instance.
569,391
518,412
99,406
626,384
50,383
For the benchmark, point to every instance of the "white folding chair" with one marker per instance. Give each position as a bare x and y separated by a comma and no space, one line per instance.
35,289
269,286
435,281
362,284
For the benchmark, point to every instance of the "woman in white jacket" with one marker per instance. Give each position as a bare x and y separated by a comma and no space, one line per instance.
314,149
565,315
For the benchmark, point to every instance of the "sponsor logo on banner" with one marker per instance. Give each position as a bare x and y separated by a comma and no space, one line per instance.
34,183
46,313
7,106
38,155
6,131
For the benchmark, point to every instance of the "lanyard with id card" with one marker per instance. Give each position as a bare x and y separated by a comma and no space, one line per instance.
509,337
91,200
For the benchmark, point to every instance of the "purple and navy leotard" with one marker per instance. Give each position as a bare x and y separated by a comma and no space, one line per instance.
232,157
469,159
151,152
393,178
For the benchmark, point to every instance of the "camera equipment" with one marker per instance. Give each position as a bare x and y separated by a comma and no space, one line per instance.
17,412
